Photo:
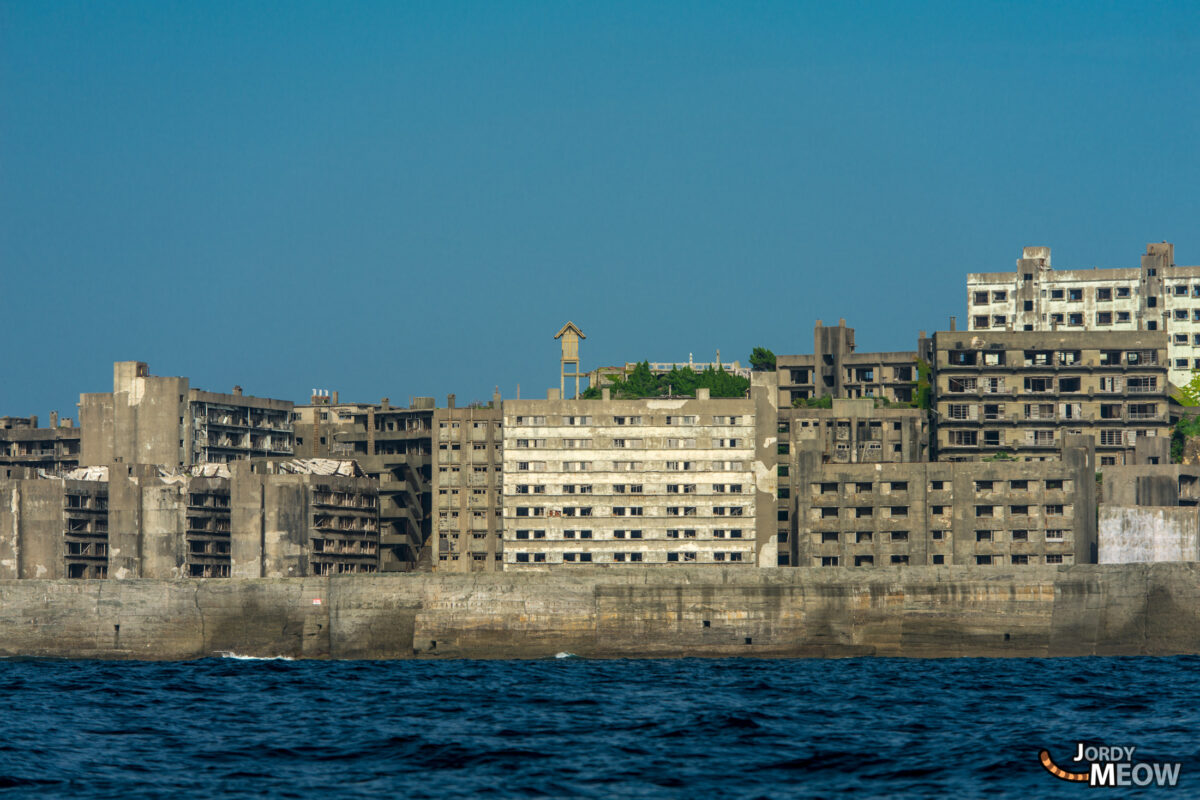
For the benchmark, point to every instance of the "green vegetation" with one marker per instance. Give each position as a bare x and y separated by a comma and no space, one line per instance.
1187,427
924,395
762,360
641,382
1189,394
1001,456
813,402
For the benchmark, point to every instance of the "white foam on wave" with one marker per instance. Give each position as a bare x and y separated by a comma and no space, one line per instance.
565,654
238,657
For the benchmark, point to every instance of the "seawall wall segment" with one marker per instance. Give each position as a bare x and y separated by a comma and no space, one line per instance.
1118,609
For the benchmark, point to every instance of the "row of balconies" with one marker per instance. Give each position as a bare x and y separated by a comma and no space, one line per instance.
1016,419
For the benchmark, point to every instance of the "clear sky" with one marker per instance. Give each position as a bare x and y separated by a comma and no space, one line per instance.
397,199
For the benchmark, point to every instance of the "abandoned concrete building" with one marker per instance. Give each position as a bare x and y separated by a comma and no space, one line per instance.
318,424
836,370
261,518
858,431
657,481
1020,392
148,419
1004,513
294,518
467,479
1157,295
851,432
395,447
54,449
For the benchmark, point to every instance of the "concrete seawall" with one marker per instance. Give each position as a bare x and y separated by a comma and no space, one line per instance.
1128,609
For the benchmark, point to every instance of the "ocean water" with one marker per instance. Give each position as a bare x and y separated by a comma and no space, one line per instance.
573,727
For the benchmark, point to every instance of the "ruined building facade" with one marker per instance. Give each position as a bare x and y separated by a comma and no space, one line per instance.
395,447
148,419
260,518
1020,393
835,370
54,449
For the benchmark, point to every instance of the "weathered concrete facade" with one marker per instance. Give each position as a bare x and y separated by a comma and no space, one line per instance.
1020,393
919,612
52,527
1157,295
985,514
1140,534
857,432
291,520
148,419
468,471
268,518
647,481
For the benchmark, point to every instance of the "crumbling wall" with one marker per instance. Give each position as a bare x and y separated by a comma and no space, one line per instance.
1140,534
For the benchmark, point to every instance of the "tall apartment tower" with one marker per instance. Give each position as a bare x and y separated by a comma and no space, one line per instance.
467,478
1157,295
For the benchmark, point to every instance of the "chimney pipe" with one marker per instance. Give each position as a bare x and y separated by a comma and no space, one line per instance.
953,323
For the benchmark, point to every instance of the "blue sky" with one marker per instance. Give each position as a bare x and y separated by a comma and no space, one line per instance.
397,199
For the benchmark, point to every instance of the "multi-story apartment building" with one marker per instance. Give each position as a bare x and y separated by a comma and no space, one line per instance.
1157,295
148,419
24,444
468,471
836,370
262,518
653,481
851,432
395,447
1020,392
1004,513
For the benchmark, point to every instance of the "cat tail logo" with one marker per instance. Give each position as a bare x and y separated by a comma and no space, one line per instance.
1113,766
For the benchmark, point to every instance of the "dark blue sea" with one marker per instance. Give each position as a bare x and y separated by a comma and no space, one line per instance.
578,728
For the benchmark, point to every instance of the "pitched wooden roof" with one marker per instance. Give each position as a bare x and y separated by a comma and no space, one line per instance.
570,326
